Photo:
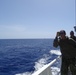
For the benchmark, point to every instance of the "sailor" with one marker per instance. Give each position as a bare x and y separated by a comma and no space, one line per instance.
74,38
68,51
72,35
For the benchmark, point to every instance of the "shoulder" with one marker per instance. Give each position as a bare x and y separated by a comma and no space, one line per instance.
71,39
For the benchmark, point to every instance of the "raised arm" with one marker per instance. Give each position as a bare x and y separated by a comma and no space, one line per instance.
55,42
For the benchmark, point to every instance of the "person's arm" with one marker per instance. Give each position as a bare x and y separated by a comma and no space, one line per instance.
55,42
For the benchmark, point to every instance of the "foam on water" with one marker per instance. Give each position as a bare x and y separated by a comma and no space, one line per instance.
56,52
41,62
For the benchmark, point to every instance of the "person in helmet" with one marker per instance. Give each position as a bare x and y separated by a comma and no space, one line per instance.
72,35
68,51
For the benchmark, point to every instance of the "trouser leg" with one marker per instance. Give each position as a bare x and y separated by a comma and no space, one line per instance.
72,66
73,69
64,67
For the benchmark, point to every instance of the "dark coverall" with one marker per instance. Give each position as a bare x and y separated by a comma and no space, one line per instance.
68,51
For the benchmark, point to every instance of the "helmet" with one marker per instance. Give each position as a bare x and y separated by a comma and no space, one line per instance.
71,32
62,32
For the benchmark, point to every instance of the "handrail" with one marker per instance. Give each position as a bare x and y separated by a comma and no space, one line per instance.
46,69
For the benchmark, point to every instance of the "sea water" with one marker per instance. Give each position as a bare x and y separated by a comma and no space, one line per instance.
25,56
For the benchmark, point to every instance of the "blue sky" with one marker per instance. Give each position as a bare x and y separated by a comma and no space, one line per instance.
35,18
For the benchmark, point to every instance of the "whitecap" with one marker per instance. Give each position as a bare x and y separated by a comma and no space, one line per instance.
56,52
40,64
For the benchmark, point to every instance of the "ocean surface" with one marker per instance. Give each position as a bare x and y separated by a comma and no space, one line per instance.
25,56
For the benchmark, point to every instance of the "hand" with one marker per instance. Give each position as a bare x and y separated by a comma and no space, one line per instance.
57,34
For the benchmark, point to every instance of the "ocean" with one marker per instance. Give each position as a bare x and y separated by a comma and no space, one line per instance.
25,56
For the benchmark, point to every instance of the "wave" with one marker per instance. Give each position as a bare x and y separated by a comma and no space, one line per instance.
56,52
41,62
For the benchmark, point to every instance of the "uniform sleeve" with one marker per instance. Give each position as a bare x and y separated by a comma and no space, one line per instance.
55,42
